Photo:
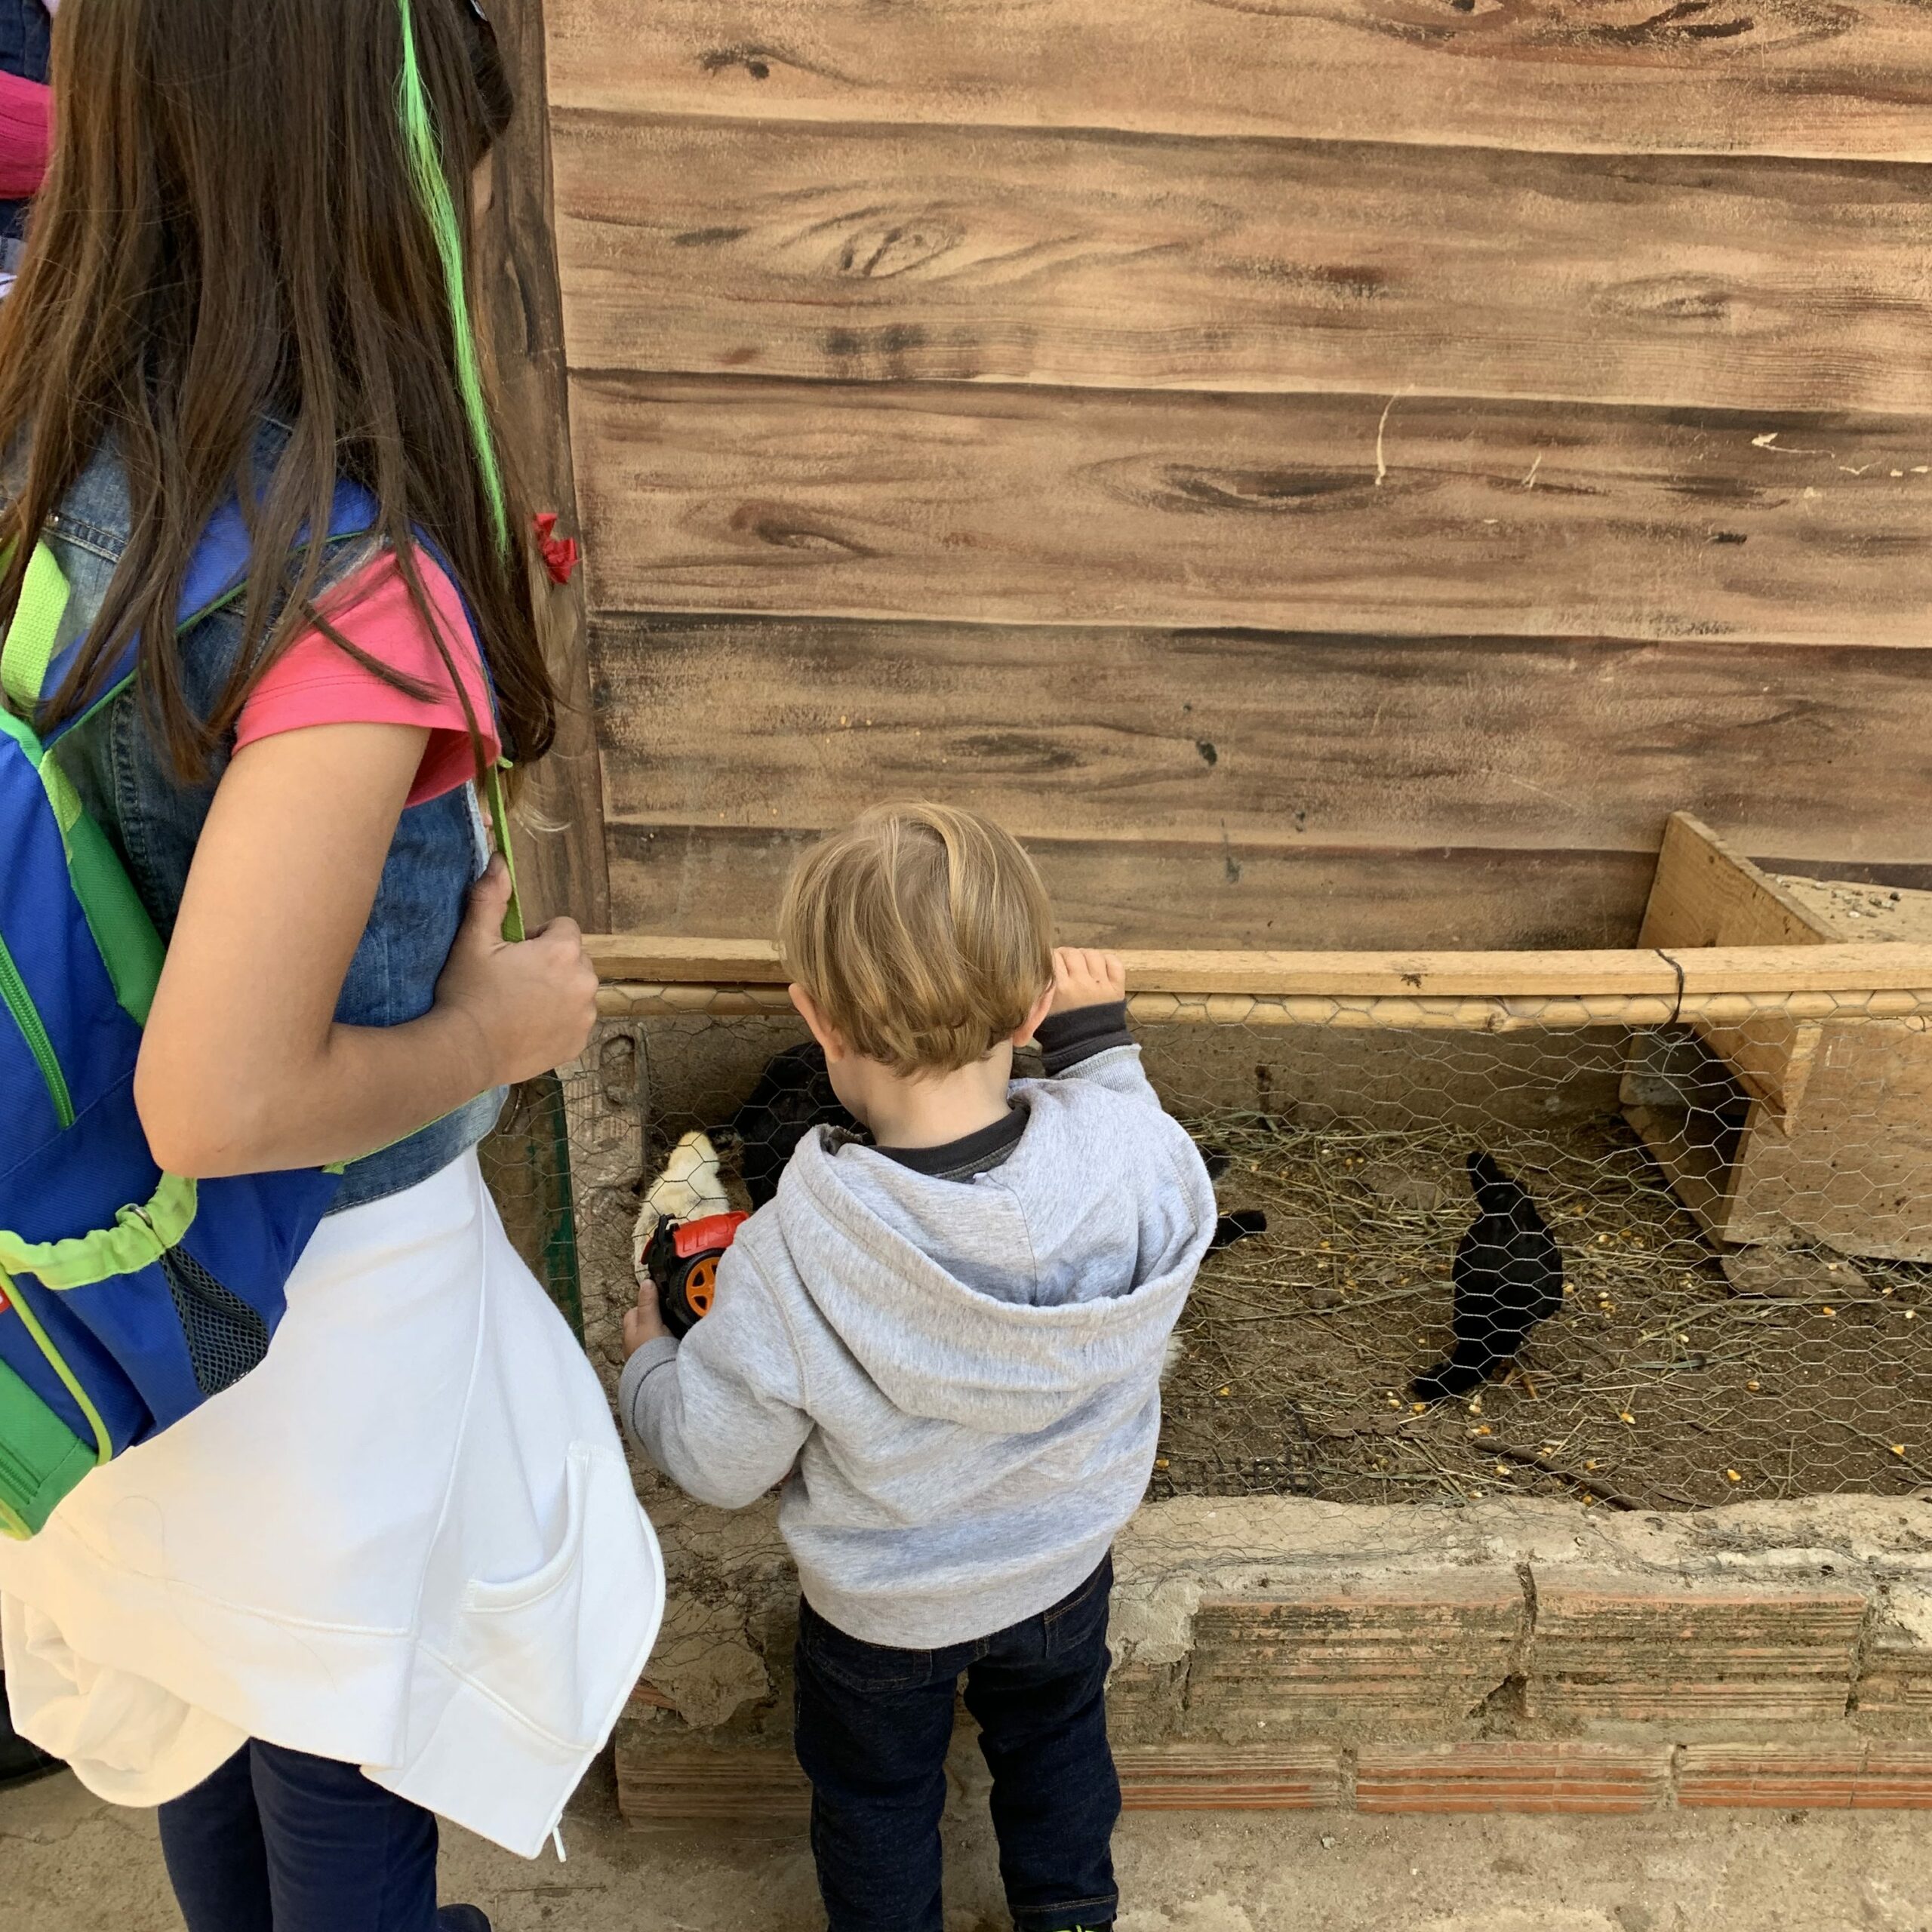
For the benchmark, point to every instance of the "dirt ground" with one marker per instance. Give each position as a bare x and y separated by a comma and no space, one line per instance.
1673,1377
69,1863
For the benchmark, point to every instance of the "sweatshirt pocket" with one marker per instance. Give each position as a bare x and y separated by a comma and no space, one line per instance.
536,1644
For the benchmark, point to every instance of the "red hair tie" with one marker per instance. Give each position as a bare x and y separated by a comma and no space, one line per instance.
560,553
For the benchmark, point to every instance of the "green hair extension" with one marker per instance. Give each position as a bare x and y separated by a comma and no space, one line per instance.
433,188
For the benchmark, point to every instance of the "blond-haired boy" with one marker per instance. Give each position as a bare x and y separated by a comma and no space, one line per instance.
946,1339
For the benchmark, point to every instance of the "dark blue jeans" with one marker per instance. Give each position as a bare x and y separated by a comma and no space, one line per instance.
872,1729
277,1841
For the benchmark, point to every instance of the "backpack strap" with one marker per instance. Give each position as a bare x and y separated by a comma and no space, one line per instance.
217,573
500,830
28,648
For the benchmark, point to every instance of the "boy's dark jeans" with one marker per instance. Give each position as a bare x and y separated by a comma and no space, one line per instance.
873,1726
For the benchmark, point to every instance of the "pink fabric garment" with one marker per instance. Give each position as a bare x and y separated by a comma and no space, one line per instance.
25,135
314,682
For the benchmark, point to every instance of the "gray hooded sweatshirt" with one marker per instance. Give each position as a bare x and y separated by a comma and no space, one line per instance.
959,1382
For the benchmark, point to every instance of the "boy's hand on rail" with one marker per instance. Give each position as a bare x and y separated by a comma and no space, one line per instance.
1084,977
532,1005
644,1323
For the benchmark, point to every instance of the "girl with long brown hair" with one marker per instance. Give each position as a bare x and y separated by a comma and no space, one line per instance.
397,1568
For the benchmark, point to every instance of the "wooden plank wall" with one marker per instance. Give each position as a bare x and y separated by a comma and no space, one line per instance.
559,816
1326,473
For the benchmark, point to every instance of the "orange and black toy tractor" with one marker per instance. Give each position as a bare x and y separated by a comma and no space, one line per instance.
682,1261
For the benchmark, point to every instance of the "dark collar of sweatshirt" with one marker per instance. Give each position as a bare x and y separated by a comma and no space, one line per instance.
1065,1040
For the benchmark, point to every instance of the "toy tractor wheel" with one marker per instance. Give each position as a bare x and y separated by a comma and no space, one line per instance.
700,1285
690,1285
682,1259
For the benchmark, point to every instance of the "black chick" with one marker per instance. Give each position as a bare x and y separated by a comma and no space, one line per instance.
1508,1277
793,1095
1244,1222
1229,1229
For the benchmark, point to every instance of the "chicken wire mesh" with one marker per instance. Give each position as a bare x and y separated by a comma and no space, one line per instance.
1711,1277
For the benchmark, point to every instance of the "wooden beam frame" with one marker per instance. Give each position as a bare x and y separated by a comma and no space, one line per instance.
1771,974
1705,894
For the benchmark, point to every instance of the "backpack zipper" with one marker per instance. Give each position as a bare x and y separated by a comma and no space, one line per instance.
26,1017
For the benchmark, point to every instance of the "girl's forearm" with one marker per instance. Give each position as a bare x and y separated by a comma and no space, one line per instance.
365,1087
243,1069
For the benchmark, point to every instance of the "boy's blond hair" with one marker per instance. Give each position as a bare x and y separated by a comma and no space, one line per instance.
923,934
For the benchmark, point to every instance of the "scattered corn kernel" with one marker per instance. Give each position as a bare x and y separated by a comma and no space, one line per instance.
1624,1415
1731,1475
1224,1391
1828,1310
1418,1408
1754,1386
1898,1448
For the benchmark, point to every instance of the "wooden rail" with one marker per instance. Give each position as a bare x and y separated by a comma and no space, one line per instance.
1771,974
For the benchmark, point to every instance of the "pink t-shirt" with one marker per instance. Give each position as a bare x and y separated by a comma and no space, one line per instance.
315,682
25,133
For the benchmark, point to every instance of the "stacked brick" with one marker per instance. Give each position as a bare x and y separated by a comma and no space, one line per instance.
1797,1675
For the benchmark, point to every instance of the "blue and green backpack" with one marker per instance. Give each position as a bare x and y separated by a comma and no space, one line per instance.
128,1296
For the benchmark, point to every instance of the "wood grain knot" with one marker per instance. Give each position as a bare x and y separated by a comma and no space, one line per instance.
1266,492
879,250
1015,751
1684,24
1668,298
775,525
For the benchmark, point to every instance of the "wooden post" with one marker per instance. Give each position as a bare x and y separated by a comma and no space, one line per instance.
560,846
1833,1139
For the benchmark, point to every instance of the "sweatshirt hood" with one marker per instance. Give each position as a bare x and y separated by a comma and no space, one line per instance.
1007,1303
